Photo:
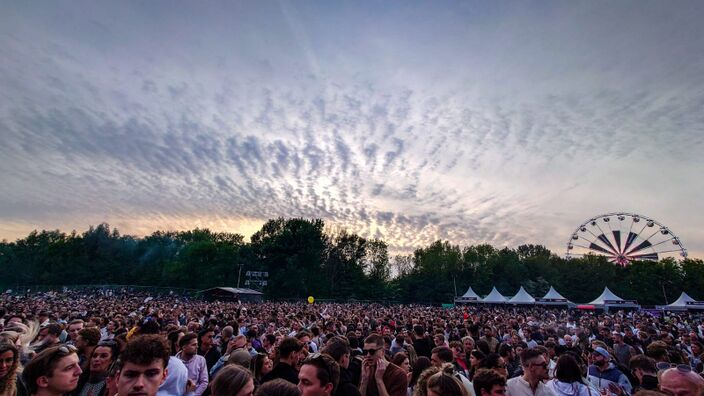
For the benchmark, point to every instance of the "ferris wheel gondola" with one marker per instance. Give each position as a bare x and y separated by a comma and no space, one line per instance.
624,237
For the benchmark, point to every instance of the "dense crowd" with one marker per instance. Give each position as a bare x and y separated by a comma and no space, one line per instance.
119,342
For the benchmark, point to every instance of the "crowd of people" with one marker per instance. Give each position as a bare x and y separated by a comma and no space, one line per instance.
119,342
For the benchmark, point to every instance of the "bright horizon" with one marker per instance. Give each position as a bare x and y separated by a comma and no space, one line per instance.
502,123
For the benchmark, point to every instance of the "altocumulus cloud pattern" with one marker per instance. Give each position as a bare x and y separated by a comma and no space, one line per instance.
503,124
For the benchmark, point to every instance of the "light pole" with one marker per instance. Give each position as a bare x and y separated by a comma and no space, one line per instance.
239,275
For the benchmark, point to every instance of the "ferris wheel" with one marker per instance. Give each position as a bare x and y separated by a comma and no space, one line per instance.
624,237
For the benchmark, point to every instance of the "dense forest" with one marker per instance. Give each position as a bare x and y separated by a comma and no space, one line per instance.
303,259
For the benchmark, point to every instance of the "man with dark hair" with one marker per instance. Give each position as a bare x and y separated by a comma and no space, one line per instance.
319,376
289,356
49,336
420,342
206,347
53,372
645,371
85,342
535,370
489,383
143,366
441,355
379,377
195,364
338,349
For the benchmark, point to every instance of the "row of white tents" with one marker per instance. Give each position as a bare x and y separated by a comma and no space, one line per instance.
606,300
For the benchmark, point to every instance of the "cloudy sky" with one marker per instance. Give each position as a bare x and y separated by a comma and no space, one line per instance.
497,122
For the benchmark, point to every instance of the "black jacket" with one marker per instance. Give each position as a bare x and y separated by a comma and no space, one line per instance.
282,370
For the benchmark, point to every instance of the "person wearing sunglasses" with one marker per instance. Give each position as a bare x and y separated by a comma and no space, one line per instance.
535,371
54,371
379,377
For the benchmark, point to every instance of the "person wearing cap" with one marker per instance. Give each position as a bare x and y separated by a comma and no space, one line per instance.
604,375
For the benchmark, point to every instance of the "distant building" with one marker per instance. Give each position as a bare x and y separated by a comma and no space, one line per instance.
232,294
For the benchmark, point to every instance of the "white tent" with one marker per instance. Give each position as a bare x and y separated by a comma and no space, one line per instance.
522,297
609,299
494,297
468,296
683,303
553,298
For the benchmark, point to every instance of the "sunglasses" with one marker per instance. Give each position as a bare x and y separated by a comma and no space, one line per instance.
67,349
372,351
680,367
543,365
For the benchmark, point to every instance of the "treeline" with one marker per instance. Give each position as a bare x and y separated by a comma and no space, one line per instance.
303,259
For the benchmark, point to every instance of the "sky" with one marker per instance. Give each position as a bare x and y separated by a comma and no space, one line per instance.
473,122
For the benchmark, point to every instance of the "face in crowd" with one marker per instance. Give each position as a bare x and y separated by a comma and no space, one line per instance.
140,380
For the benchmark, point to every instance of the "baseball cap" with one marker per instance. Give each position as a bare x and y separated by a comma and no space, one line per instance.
603,352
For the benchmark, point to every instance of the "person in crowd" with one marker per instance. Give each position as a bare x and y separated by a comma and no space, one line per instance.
53,372
445,383
289,356
475,359
85,342
513,364
72,329
233,380
494,361
569,379
442,355
490,339
143,366
421,364
681,380
10,369
319,375
644,371
338,349
535,371
207,348
379,377
489,383
461,365
48,337
224,338
622,351
93,379
278,387
421,343
261,366
174,337
605,376
401,360
195,364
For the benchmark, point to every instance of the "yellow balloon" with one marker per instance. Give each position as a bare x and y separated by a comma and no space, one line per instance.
311,300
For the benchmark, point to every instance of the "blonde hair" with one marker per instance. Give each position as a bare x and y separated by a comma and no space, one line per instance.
445,383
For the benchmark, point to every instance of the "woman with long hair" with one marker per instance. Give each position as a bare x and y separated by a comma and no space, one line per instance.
93,381
10,369
569,379
261,366
475,359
